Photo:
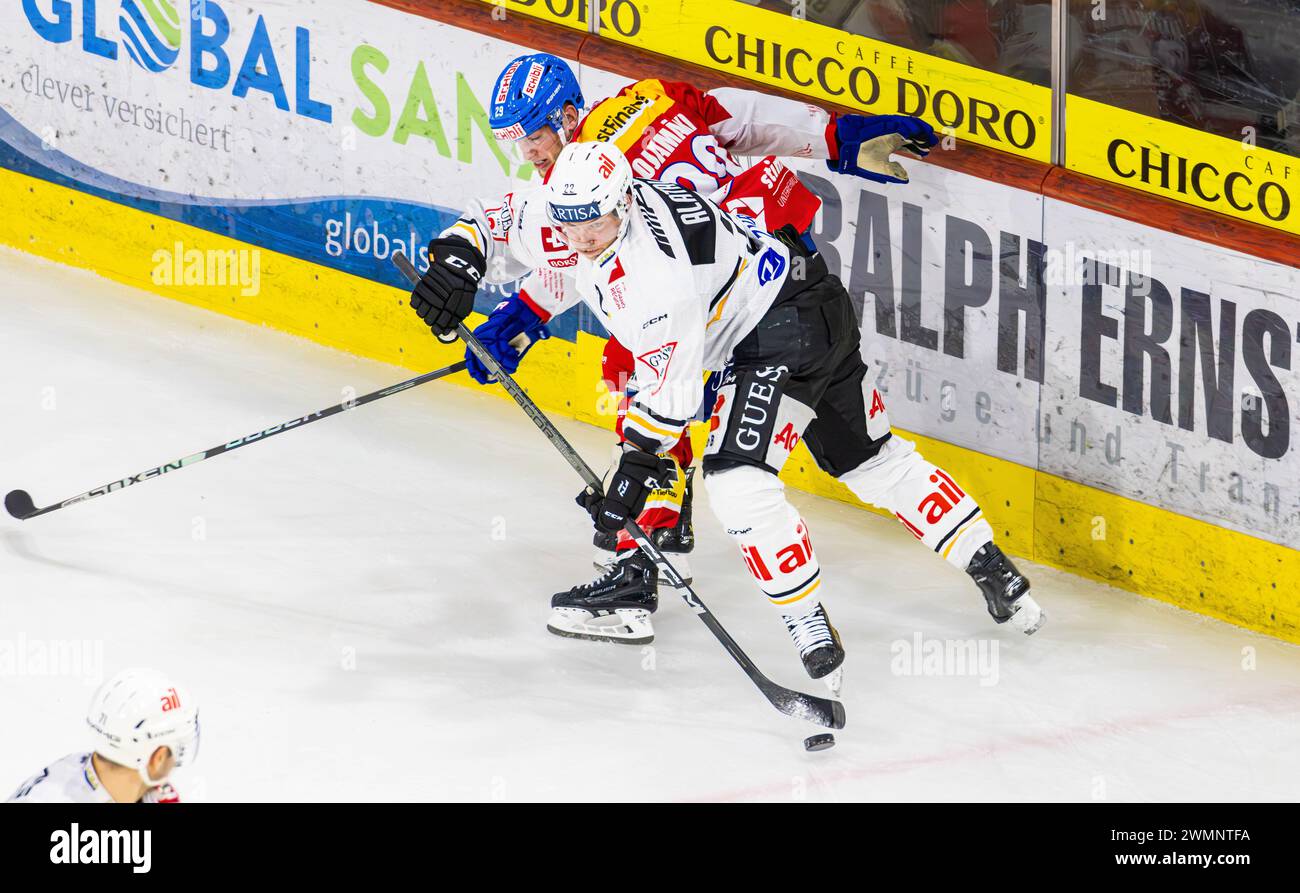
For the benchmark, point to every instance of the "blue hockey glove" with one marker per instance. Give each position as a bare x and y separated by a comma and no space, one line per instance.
865,144
509,331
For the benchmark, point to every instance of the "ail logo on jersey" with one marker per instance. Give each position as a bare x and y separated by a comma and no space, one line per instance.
171,700
788,558
657,362
939,503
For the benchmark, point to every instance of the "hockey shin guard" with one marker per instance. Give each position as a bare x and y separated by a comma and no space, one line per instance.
773,539
929,502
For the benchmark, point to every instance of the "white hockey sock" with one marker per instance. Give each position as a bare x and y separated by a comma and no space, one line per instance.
925,498
773,539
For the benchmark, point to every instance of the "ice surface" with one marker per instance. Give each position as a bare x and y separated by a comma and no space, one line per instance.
360,606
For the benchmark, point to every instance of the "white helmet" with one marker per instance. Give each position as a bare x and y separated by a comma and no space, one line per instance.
138,711
589,180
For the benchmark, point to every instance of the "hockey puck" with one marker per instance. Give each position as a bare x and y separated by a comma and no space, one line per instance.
819,742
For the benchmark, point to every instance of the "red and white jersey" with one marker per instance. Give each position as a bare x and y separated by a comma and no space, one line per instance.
683,284
73,780
675,132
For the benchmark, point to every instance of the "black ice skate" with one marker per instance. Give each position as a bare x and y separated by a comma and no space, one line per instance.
615,607
1006,590
819,646
675,541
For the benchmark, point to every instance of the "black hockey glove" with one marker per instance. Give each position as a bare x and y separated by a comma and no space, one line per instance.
444,296
639,474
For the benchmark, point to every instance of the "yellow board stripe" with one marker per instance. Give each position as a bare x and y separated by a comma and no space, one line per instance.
1184,561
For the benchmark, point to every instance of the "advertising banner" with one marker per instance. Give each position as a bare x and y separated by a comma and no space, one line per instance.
1231,176
1172,373
335,139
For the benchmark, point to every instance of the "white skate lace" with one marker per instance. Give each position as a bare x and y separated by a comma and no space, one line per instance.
612,569
810,632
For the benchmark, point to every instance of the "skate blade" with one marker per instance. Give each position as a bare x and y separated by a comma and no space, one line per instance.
602,560
626,626
835,681
683,568
1029,618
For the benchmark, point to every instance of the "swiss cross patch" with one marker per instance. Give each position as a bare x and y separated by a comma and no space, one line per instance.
657,362
553,243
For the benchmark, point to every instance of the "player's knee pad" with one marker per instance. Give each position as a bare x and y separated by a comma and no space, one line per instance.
743,493
773,539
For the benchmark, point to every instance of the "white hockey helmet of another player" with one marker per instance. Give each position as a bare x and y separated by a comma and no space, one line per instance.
589,180
138,711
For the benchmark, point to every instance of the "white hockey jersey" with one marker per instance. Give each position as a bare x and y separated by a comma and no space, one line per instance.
676,132
679,289
73,780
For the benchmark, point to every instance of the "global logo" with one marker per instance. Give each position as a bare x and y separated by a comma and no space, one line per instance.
248,56
151,33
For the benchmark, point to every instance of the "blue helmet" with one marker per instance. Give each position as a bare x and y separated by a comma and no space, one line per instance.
531,94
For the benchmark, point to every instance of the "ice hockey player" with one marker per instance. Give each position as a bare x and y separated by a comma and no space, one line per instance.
691,288
675,132
145,725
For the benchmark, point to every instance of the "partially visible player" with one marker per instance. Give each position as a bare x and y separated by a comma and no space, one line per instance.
145,725
675,132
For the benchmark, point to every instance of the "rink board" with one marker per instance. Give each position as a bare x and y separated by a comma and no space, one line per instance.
1196,565
326,144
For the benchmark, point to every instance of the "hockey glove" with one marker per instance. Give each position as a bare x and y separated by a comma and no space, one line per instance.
511,329
865,144
444,296
639,474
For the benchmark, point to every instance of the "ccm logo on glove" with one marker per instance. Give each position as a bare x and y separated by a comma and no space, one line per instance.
444,296
639,474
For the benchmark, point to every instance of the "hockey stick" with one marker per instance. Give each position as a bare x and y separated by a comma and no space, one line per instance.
19,502
823,711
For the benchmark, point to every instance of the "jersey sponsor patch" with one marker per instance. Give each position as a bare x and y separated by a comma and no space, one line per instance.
770,266
499,221
754,420
657,362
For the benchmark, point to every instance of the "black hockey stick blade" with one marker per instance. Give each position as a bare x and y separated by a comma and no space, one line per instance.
19,504
822,711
